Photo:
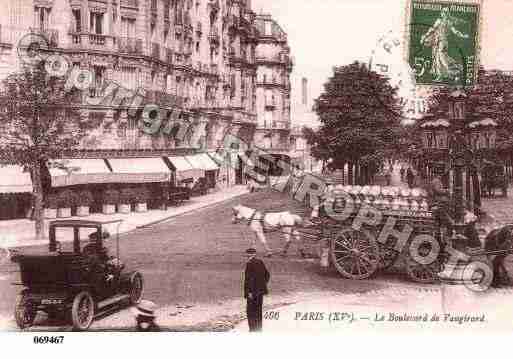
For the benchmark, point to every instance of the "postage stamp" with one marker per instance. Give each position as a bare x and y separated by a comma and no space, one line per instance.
280,167
443,45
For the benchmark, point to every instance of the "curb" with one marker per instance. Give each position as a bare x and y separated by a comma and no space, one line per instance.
187,212
130,230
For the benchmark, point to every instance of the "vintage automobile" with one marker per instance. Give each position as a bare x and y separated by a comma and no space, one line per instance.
76,285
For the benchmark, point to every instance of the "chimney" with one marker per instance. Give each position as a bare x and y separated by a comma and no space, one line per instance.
304,91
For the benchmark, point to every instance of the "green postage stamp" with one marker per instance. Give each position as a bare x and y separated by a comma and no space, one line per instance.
444,45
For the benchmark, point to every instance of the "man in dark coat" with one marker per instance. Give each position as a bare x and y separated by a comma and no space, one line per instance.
256,278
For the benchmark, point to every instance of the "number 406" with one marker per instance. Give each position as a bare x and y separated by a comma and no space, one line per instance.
272,315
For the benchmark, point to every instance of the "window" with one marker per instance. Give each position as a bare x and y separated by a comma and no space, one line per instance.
127,27
96,23
42,18
77,20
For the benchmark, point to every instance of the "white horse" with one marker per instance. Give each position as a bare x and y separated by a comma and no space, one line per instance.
259,222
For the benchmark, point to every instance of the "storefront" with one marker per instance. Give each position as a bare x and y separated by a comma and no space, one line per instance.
207,168
15,192
182,171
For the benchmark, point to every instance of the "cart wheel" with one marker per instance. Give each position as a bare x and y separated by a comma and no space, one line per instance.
136,288
82,311
387,256
355,253
24,311
422,273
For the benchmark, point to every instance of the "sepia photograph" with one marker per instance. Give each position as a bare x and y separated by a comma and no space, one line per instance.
255,167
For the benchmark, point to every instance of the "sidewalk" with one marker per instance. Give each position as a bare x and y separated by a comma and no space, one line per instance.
20,233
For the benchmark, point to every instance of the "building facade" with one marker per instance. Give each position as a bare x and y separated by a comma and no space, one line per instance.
274,66
195,59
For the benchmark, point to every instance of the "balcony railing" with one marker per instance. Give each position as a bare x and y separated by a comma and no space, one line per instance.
213,36
97,39
155,50
130,45
130,3
161,98
96,91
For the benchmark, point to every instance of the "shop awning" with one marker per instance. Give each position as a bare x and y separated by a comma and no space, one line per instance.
208,163
14,180
74,171
180,164
195,162
202,162
140,170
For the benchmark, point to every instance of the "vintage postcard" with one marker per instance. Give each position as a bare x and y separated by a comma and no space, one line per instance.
284,166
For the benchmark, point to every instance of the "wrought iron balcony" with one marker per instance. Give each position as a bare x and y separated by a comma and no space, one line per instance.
213,36
96,92
97,39
130,3
130,45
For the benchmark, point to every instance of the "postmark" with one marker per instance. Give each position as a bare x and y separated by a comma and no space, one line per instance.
388,59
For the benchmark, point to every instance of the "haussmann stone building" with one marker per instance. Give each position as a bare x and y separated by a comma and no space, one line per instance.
214,63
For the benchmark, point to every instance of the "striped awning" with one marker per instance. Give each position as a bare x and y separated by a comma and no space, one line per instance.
195,161
69,172
180,163
14,180
208,164
140,170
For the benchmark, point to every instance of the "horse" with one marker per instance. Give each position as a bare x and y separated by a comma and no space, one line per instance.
260,223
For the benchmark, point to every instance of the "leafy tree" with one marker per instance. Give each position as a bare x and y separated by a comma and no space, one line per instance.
37,123
360,119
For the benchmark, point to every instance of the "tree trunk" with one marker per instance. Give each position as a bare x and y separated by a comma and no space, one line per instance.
350,173
37,194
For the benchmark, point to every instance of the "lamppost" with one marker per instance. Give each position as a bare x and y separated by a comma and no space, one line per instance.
458,155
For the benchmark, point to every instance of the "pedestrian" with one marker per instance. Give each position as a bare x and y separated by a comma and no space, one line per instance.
256,277
410,177
145,316
401,171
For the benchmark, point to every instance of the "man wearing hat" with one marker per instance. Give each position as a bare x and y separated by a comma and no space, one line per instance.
440,200
144,314
256,277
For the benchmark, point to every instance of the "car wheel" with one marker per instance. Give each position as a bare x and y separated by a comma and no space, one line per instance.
82,311
24,311
136,288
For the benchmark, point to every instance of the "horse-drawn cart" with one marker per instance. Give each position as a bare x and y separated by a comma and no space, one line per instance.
364,230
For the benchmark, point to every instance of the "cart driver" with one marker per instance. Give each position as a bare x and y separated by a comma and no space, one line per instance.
439,198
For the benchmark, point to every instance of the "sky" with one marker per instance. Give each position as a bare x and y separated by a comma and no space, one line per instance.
327,33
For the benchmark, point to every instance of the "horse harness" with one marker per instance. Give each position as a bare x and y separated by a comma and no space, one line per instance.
265,228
